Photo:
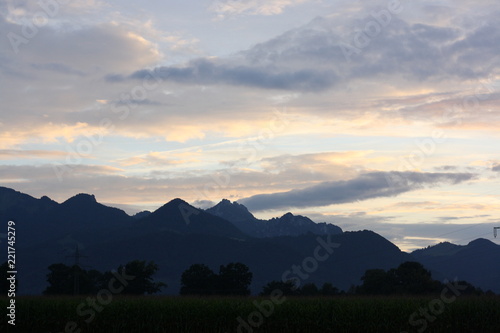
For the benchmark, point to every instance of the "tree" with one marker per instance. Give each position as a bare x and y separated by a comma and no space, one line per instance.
376,282
234,279
469,289
309,289
142,282
412,278
329,290
409,278
198,279
287,288
62,280
68,280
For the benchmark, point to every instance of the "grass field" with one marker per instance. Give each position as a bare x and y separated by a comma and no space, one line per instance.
219,314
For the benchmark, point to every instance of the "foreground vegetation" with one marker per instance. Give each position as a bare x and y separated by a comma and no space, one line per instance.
292,314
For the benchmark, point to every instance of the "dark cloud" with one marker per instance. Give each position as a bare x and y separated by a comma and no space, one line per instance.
366,186
496,168
206,72
452,218
312,58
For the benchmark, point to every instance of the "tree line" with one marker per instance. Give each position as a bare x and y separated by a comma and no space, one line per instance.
410,278
235,279
69,280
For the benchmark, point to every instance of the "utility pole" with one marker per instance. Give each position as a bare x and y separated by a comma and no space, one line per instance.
495,231
76,269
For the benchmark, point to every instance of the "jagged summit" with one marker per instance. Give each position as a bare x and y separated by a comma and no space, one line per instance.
231,211
298,220
286,225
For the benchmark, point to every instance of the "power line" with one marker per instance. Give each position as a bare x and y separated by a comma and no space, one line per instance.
76,270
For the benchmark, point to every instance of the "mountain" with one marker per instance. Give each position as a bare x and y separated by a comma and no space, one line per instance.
34,217
178,235
83,212
287,225
294,225
238,215
20,204
231,211
179,216
441,249
141,215
476,262
268,259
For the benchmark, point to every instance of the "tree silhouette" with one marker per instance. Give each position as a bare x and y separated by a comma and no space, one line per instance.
234,279
309,289
412,278
142,282
287,288
61,280
329,290
376,282
409,278
198,279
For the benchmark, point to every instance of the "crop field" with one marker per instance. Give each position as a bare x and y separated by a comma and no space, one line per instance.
254,314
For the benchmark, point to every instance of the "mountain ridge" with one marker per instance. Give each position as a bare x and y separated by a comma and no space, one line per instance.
286,225
471,262
177,235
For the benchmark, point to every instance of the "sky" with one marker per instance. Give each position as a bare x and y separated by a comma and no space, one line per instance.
379,115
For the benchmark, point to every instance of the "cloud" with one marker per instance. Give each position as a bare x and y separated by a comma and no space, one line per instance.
454,218
7,154
47,172
160,159
225,8
62,82
209,72
446,168
18,10
204,204
496,168
366,186
418,51
58,68
313,57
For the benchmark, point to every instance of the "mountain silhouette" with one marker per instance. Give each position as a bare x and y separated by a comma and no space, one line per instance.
177,235
476,262
179,216
287,225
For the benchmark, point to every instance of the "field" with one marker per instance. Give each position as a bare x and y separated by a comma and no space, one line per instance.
260,314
